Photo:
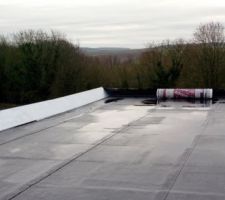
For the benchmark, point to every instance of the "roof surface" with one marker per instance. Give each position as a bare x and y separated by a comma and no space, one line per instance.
123,150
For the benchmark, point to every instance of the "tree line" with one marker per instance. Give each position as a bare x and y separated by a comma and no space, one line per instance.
35,65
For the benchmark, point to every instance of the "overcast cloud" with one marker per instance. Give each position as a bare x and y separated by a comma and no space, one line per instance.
111,23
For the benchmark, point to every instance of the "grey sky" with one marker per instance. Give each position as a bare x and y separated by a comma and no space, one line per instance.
111,23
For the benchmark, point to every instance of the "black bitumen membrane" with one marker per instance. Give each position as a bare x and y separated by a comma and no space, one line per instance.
118,149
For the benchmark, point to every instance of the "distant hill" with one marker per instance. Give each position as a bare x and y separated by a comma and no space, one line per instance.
112,51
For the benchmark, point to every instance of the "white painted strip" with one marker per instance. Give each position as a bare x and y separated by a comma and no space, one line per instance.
24,114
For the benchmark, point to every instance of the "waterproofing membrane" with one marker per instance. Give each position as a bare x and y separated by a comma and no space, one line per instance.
184,94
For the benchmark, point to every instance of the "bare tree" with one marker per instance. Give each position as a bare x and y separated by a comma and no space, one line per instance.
210,52
175,50
164,63
210,33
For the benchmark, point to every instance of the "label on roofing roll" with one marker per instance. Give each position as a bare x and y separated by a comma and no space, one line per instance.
184,93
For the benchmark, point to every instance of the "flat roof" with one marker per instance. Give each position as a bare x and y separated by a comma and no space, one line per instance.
122,150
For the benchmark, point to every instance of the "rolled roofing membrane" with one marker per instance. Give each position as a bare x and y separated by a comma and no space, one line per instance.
184,94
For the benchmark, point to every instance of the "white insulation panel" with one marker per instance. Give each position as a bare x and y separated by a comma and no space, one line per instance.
33,112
